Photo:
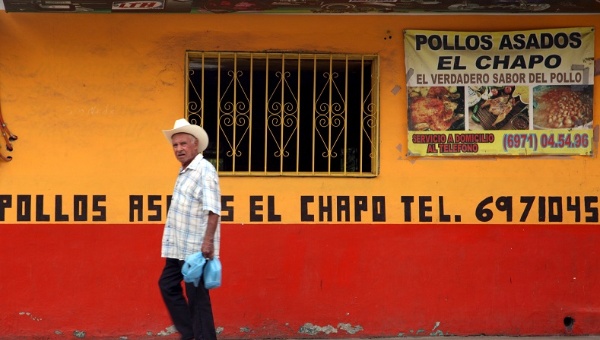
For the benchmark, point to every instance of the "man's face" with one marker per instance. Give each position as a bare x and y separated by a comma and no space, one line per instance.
185,147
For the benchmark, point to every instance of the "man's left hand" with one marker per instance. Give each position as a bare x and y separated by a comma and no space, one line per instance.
208,249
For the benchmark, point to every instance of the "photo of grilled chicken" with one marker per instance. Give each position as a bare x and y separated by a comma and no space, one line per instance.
499,107
433,108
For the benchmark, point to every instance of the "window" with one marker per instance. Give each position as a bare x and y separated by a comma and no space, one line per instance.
286,114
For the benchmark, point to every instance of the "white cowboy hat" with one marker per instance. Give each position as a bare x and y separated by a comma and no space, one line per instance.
183,126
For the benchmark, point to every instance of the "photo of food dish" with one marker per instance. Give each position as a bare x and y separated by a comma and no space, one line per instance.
437,108
562,107
498,107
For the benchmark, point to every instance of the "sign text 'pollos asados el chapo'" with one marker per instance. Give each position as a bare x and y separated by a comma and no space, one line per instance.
500,93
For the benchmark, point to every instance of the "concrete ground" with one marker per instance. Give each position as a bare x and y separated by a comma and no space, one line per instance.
475,337
446,337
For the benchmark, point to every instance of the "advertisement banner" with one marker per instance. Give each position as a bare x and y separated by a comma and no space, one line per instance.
500,93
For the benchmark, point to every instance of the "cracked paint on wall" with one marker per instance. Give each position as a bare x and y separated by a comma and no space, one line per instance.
434,332
34,318
309,328
167,331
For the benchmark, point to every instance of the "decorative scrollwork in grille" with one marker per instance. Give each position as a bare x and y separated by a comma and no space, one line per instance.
282,113
286,113
330,115
234,113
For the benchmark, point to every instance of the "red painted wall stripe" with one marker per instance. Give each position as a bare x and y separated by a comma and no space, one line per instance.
382,280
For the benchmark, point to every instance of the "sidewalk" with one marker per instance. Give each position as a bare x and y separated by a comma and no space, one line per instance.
445,337
410,337
441,337
452,337
473,337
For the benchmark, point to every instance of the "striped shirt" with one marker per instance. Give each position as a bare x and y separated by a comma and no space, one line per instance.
196,193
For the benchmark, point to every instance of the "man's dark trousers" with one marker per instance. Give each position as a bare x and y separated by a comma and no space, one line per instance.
193,317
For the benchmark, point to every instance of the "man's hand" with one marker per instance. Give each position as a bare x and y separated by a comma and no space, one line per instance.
208,249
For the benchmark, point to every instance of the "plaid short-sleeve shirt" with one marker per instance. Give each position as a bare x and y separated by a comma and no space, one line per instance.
196,193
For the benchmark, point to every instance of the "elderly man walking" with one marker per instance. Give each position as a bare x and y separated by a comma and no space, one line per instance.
193,225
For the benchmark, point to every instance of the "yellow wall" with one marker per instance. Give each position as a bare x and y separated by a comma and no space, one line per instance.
88,95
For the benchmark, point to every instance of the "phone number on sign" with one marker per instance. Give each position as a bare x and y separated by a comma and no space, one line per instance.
545,141
548,208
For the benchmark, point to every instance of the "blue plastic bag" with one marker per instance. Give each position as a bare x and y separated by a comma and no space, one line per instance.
212,273
193,267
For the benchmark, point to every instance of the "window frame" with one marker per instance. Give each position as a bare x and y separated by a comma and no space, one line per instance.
194,111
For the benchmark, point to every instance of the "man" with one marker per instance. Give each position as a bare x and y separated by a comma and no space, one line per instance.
192,225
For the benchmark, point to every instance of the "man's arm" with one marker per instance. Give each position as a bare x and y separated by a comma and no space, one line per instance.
208,245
